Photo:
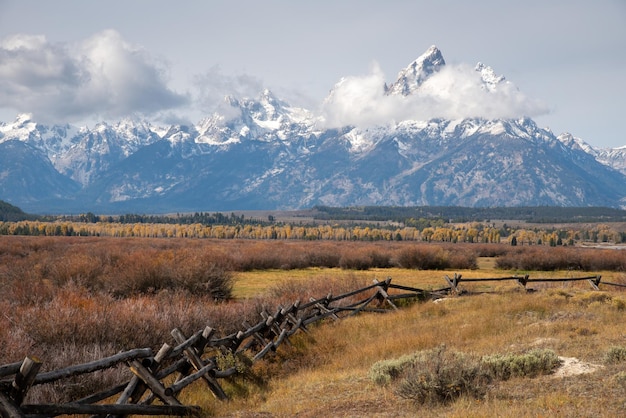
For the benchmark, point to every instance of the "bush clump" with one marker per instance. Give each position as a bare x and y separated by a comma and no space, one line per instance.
425,257
615,354
384,371
530,364
433,376
441,375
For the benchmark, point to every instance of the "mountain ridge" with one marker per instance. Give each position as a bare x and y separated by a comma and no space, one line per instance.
265,154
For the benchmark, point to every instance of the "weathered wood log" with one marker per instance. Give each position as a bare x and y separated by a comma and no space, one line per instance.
256,333
153,383
298,325
253,329
136,387
562,279
407,288
275,325
264,351
359,303
128,409
226,341
187,380
323,309
453,282
319,317
207,333
8,409
223,373
181,365
10,369
198,364
364,304
183,345
372,310
352,293
614,284
24,379
381,289
313,302
288,318
105,363
282,337
489,279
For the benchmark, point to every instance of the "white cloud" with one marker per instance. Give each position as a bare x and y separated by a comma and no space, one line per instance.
101,76
212,88
454,92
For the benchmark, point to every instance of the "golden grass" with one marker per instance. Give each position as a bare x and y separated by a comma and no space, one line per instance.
327,375
324,373
254,283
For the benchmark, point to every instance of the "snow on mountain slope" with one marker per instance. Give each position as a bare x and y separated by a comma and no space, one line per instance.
613,157
412,77
262,153
81,153
263,119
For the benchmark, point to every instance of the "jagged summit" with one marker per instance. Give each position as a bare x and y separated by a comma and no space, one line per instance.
23,118
262,153
489,76
410,78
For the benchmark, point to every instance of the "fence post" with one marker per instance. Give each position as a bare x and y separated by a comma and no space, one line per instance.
522,281
198,364
595,282
24,379
8,409
454,282
136,388
153,383
381,292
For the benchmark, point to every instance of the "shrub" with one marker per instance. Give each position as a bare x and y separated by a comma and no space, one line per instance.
620,379
435,257
423,258
615,354
530,364
355,260
440,376
570,258
385,371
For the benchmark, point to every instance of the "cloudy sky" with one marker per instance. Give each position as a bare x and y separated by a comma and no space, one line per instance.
82,61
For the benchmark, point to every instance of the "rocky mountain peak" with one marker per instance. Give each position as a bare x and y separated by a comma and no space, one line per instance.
410,78
489,76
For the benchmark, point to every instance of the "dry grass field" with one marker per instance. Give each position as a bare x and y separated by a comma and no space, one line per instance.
69,300
326,373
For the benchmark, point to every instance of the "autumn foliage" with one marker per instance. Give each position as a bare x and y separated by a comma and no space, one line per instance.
75,299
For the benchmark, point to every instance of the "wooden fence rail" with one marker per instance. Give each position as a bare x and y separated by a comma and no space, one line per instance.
164,375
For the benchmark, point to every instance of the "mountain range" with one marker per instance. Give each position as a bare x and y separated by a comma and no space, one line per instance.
262,153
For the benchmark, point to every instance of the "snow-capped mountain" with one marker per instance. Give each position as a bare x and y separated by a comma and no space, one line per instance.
264,153
81,153
612,157
412,77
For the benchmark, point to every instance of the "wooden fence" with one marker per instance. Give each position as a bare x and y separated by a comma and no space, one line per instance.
163,375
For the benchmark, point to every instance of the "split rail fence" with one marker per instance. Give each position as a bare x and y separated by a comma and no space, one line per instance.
163,375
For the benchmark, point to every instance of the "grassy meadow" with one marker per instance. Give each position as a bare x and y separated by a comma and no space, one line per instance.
74,299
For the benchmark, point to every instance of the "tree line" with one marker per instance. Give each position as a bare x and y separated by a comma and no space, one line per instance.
472,232
533,214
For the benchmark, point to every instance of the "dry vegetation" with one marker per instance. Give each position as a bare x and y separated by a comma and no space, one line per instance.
74,299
